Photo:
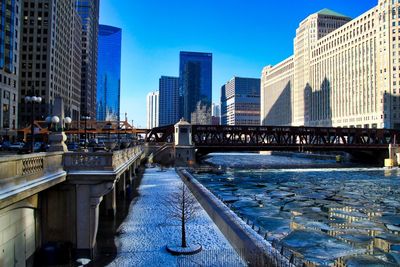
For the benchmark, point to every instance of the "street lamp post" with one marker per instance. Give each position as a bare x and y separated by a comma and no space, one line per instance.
33,100
85,118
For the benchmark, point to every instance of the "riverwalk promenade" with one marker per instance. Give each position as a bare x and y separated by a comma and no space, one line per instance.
148,228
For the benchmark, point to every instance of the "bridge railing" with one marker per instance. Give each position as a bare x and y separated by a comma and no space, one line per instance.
25,175
100,161
15,166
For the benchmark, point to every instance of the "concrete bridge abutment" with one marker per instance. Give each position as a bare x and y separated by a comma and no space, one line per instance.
50,203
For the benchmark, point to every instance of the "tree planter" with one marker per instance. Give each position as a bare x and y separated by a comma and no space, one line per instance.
189,250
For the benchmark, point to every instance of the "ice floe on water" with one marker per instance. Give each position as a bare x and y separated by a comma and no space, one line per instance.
148,229
322,212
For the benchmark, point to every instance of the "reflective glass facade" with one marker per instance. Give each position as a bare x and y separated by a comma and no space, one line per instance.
10,14
169,100
7,35
109,73
195,86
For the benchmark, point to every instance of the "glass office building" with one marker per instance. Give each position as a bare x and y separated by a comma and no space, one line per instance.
109,73
195,83
169,100
9,61
7,26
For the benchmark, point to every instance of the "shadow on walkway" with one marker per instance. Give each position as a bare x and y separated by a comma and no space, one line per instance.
108,226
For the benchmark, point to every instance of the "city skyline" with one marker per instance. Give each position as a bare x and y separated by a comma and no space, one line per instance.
146,42
255,133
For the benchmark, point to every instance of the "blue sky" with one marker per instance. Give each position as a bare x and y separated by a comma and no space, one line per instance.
243,35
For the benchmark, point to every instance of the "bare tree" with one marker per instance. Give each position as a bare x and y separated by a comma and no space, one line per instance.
183,207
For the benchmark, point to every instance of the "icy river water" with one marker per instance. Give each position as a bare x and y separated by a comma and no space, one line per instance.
323,212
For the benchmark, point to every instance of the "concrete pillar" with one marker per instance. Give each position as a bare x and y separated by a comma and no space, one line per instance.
134,168
88,198
121,185
111,203
129,178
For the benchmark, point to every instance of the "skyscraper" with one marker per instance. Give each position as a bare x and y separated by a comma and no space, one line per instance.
215,114
195,86
216,110
169,100
152,110
240,102
277,93
109,73
9,59
89,12
50,58
310,30
346,75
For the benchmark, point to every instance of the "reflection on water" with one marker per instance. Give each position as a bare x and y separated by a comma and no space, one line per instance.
329,216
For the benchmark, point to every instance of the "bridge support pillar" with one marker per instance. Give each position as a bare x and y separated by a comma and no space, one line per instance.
133,169
394,156
184,148
121,185
88,198
111,203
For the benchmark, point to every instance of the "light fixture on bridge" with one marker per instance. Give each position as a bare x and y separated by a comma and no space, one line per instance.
32,100
67,122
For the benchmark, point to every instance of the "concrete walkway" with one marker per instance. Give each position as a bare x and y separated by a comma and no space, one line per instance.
148,229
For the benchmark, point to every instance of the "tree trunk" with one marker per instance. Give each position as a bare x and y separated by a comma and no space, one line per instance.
183,234
183,219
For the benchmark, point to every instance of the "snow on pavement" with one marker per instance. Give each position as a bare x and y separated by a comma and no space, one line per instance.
148,229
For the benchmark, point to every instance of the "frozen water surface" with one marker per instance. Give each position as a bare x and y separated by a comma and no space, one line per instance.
148,229
316,209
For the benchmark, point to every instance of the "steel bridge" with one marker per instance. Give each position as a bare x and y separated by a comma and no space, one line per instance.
211,138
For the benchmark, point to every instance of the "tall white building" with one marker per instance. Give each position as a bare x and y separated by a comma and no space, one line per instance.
152,109
276,94
345,72
310,30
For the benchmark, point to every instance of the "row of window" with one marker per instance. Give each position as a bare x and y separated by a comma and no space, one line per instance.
32,5
8,81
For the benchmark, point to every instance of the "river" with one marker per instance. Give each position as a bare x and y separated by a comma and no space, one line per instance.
317,211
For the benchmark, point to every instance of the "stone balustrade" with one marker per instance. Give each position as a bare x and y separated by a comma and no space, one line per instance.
25,175
100,161
15,166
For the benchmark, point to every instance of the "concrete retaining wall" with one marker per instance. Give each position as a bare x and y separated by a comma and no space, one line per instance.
250,246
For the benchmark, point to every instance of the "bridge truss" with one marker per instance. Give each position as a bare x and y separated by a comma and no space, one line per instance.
293,138
242,138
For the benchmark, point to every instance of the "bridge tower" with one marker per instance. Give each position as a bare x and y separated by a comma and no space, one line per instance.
184,148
